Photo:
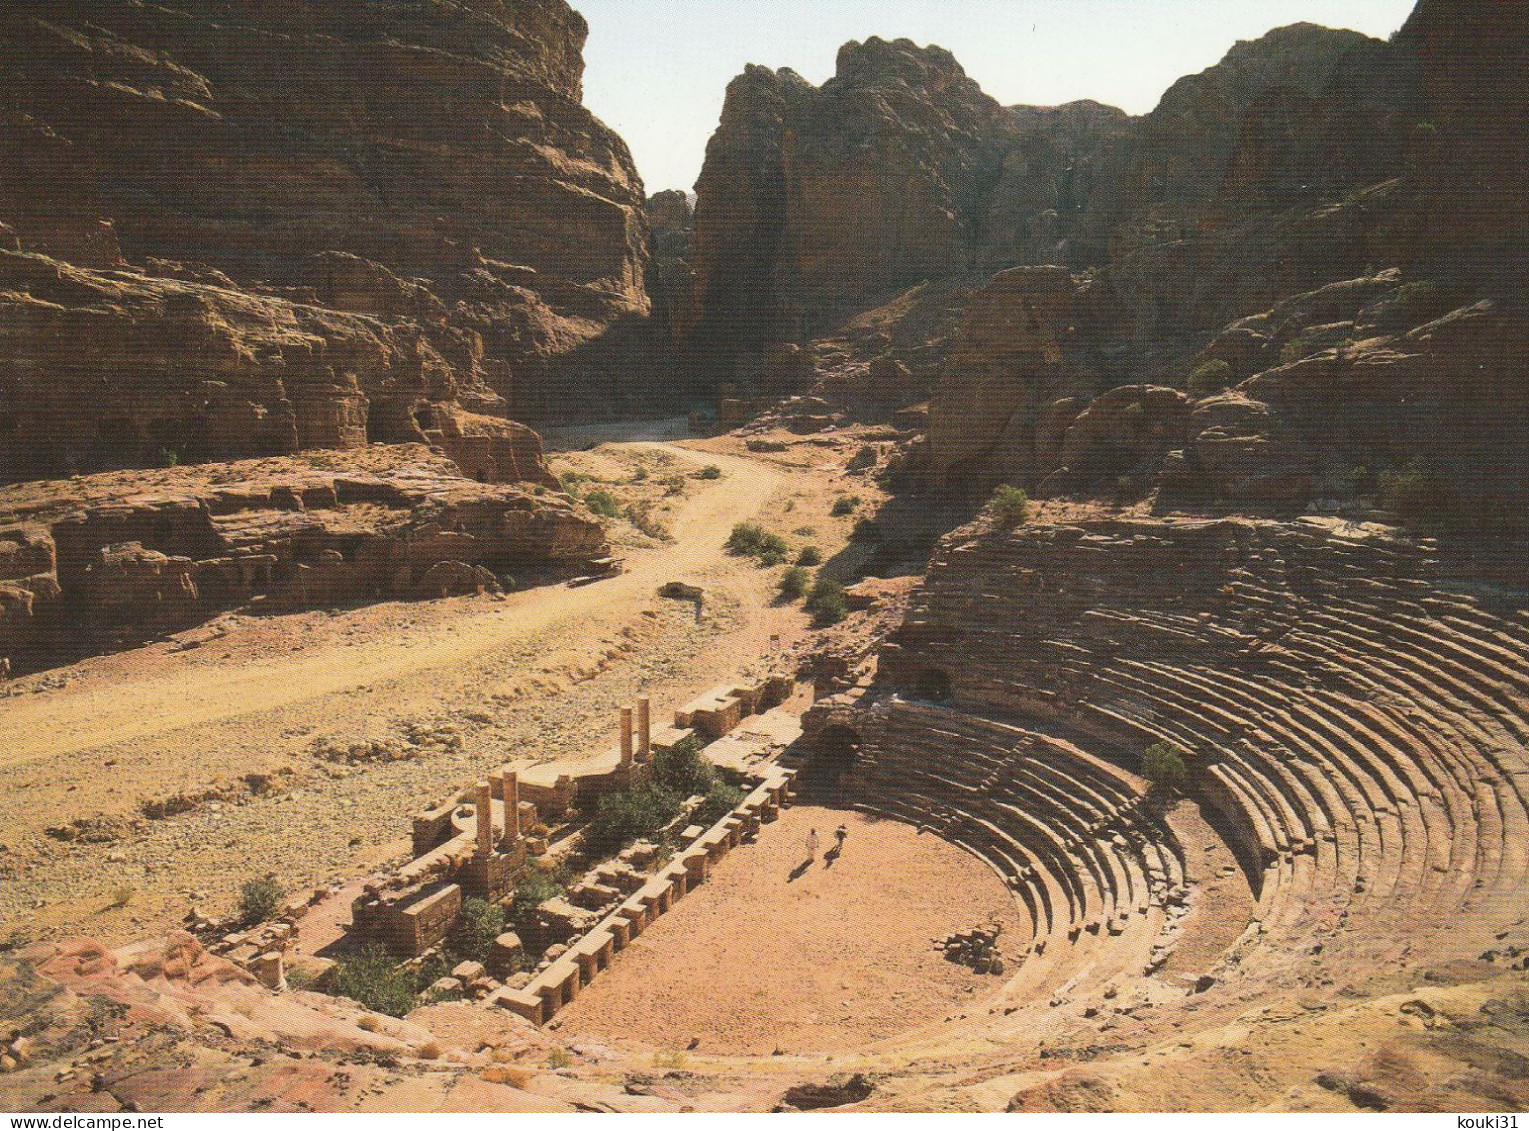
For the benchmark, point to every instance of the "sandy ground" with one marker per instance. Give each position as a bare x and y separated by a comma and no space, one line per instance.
757,960
460,686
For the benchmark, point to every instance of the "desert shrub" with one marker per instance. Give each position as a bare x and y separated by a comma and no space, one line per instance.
1416,303
1417,495
793,584
531,888
480,923
629,814
721,799
1164,766
749,539
639,474
1009,506
673,484
746,539
826,602
260,899
843,505
810,556
642,518
167,457
122,896
1209,378
682,769
374,979
866,529
710,471
559,1058
603,503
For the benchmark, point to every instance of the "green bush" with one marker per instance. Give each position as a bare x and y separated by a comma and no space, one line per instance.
630,814
710,471
1209,378
749,539
480,923
826,602
1164,766
1009,506
1417,495
844,504
810,556
531,888
1416,303
746,539
793,583
866,529
681,768
374,979
260,900
721,799
603,503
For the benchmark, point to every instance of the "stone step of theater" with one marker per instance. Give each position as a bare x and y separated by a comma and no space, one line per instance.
1354,723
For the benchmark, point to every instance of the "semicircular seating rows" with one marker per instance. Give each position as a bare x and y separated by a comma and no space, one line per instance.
1357,726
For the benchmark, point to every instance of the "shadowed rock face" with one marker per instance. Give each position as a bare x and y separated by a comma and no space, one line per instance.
435,157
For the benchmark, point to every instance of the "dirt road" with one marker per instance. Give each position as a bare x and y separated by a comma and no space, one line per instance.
130,705
487,682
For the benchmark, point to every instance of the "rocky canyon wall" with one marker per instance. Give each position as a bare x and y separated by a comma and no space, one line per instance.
237,229
1332,218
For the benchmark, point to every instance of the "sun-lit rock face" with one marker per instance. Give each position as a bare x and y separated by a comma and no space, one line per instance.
423,163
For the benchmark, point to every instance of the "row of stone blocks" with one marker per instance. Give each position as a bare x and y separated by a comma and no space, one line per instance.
561,982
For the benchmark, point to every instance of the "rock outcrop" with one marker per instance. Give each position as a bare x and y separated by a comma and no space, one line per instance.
428,166
104,560
818,203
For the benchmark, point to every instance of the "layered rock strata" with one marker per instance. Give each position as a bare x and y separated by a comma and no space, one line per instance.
110,559
427,166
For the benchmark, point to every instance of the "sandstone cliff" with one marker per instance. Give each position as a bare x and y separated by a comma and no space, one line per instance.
428,166
110,559
820,205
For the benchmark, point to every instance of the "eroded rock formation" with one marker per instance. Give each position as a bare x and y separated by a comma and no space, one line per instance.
426,166
109,559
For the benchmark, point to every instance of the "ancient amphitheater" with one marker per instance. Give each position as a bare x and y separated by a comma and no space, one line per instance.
978,607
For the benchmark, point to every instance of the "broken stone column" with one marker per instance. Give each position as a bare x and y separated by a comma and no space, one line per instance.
483,804
510,784
644,728
626,737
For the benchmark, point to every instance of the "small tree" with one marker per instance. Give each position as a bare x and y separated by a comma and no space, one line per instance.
260,899
628,814
1009,506
1163,765
479,924
793,583
826,602
844,505
810,556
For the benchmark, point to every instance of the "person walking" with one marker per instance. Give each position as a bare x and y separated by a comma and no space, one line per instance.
812,845
840,834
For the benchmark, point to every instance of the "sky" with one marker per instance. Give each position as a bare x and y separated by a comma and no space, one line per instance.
656,70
